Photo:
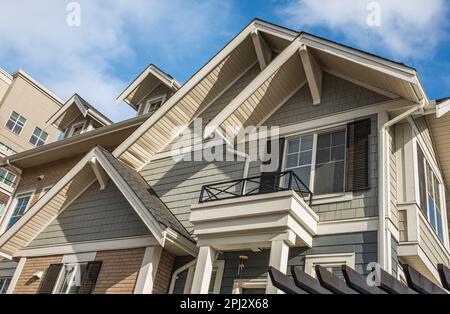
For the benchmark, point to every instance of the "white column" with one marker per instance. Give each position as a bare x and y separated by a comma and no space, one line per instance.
17,273
203,270
279,255
149,267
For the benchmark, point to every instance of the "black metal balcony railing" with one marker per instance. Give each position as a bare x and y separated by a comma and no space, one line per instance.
263,184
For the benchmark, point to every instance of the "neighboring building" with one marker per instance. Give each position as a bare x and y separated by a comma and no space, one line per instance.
77,116
361,177
25,107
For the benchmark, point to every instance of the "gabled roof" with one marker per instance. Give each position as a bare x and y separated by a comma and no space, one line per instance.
147,81
202,89
72,109
97,165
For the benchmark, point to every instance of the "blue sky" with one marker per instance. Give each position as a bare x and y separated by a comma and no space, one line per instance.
117,39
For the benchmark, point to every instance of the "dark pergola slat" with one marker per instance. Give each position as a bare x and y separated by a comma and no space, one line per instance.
420,283
358,282
283,282
392,285
444,273
308,283
331,282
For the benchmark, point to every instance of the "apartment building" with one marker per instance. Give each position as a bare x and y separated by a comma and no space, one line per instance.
361,175
25,107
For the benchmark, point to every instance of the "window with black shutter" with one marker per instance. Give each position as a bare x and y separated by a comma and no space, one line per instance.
50,279
90,278
358,155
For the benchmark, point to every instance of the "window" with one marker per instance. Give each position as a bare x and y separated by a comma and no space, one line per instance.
216,277
332,262
7,177
319,161
39,137
77,129
4,284
6,149
20,209
2,208
70,278
430,195
15,123
151,105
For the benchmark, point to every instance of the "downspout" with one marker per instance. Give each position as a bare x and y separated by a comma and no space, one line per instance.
383,183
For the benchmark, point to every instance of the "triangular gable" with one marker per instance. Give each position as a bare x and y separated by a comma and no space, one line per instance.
304,59
72,109
145,83
97,165
209,83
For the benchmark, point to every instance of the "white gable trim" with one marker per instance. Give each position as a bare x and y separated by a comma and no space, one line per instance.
442,108
73,100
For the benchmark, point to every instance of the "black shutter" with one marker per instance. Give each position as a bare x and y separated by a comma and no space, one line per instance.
51,276
90,278
270,181
358,155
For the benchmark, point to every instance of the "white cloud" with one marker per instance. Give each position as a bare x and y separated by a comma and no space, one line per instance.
408,28
35,37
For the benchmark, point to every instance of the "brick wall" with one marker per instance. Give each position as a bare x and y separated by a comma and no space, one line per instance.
164,273
119,271
52,172
26,283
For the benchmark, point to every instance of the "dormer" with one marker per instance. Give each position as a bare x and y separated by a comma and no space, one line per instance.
77,116
148,92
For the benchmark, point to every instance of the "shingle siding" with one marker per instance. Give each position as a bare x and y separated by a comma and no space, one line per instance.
95,215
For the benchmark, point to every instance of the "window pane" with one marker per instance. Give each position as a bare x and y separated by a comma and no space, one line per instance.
431,212
422,182
329,178
439,225
338,138
323,156
304,174
307,143
305,158
293,146
292,161
324,141
338,153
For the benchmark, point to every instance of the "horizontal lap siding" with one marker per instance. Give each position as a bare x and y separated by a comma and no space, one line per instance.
164,273
95,215
27,284
393,177
119,271
178,184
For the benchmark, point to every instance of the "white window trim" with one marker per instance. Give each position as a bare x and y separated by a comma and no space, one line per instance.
72,128
38,137
321,198
220,265
146,104
328,260
12,207
256,283
23,127
190,267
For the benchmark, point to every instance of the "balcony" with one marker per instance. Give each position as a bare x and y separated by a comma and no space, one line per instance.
251,213
419,244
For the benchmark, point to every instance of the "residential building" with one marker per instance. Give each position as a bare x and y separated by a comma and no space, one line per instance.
25,107
358,176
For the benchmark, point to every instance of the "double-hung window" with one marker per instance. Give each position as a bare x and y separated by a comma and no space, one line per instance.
39,137
15,123
319,161
70,278
20,208
7,177
430,195
4,284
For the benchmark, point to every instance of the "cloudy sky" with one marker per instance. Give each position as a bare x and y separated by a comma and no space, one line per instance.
117,39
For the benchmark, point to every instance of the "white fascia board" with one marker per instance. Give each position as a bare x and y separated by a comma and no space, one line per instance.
251,88
46,198
364,59
185,89
442,108
275,30
65,107
150,70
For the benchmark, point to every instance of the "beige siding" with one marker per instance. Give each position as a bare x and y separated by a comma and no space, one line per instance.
393,177
429,244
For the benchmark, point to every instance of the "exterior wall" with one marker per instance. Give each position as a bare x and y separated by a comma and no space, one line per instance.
164,273
393,177
37,107
119,271
26,283
394,257
95,215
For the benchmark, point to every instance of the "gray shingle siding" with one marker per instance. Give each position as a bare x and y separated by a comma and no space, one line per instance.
95,215
394,257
